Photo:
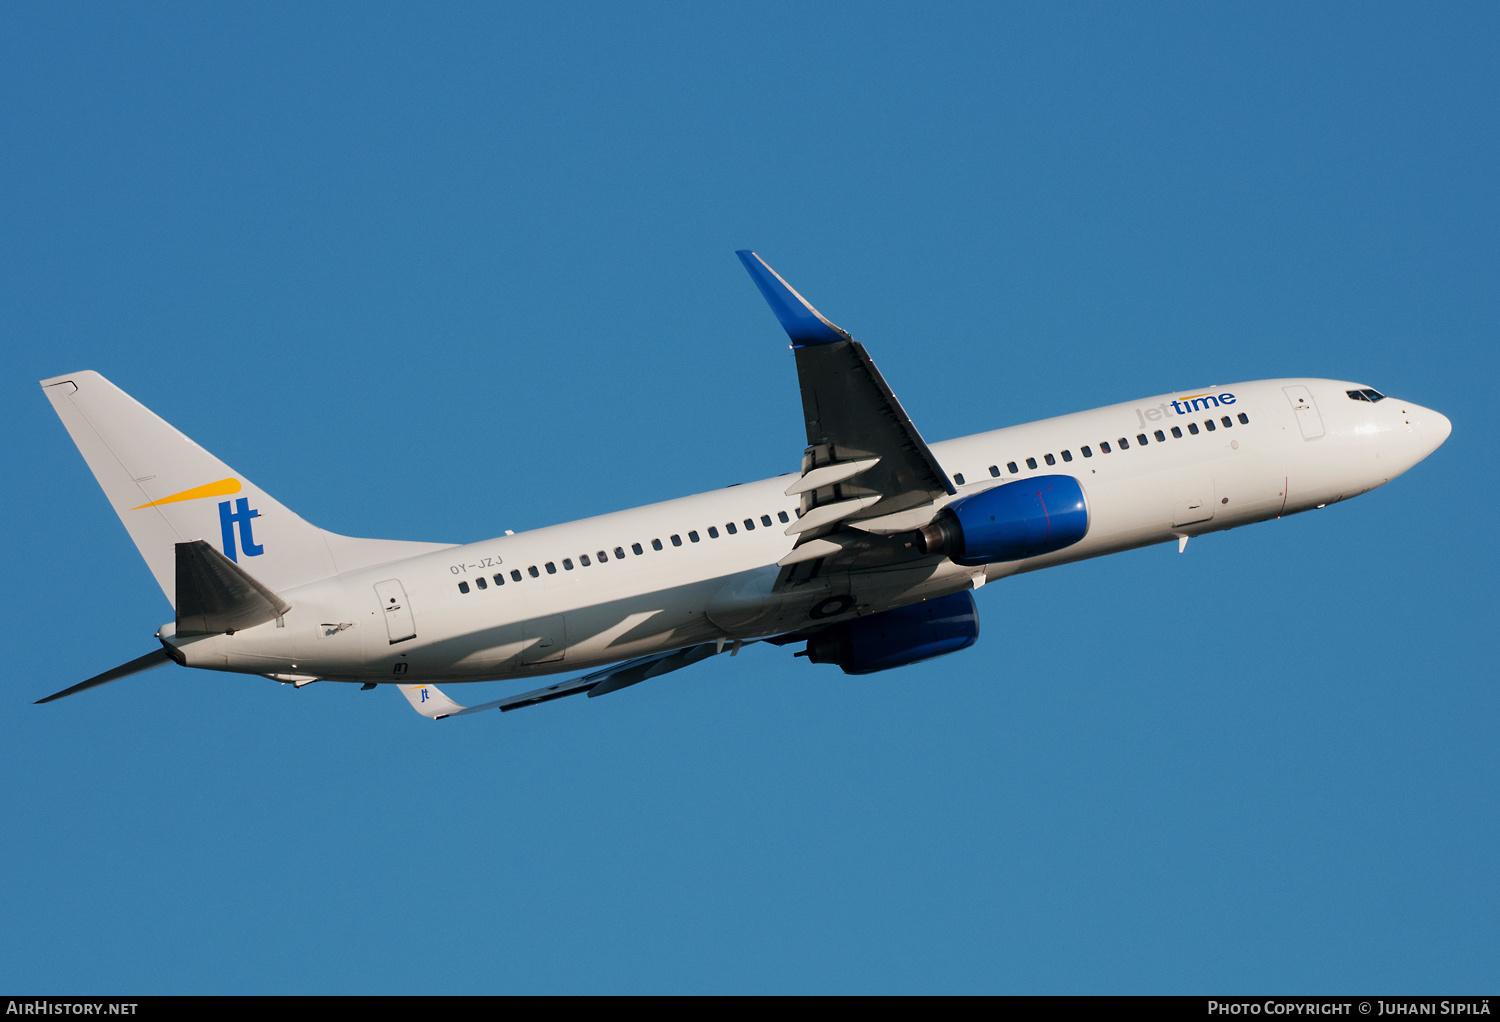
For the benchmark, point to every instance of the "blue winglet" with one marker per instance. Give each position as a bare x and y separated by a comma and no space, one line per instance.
802,323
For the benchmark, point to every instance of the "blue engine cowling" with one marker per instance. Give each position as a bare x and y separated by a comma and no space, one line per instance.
1015,520
895,638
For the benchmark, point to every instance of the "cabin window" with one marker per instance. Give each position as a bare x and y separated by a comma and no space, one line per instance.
1104,446
534,571
1208,424
567,564
1067,455
1140,438
676,540
1227,421
1193,428
656,544
463,587
499,578
765,520
1124,444
637,549
619,553
1177,432
1031,463
1244,419
958,477
693,536
995,471
1161,437
1050,459
481,583
515,574
713,532
749,524
782,517
730,528
603,557
583,559
1087,452
551,568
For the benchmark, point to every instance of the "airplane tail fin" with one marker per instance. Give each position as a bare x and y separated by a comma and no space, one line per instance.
168,490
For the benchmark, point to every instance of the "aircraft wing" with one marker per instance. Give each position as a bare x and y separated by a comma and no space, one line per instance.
865,466
429,700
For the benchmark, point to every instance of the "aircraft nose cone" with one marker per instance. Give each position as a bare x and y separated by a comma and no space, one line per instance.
1437,429
1432,428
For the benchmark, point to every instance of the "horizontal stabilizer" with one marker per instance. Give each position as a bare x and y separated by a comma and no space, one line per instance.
155,658
215,595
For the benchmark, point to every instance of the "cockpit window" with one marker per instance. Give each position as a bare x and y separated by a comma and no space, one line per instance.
1367,394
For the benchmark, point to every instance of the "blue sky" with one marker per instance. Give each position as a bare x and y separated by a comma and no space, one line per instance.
435,274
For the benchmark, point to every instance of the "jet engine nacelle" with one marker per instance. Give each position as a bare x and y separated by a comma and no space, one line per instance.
1008,522
895,638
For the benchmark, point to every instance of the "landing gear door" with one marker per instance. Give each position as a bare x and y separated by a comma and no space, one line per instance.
1308,419
399,624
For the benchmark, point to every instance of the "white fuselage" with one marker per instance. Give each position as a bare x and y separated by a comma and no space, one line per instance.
572,608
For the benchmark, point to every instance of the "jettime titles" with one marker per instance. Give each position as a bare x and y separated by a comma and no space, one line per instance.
1183,406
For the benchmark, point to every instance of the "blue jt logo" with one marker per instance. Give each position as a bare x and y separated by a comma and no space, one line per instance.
240,516
424,695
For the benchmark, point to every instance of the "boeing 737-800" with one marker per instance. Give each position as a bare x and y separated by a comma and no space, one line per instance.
868,554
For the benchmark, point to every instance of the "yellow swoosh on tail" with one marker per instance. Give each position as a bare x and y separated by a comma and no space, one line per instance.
222,488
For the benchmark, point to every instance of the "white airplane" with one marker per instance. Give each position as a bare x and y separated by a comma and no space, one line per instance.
868,554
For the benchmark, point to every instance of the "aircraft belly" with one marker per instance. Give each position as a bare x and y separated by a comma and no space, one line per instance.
498,650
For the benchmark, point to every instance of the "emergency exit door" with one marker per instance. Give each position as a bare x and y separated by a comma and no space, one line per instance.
399,624
546,640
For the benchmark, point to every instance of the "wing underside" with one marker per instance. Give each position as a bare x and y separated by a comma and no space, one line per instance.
429,700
